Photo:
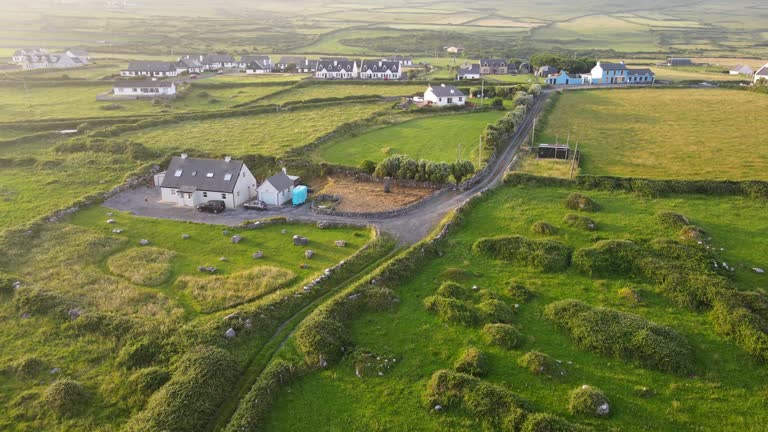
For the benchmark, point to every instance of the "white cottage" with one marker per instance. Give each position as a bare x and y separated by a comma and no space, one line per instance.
145,89
192,181
336,69
762,73
278,189
380,69
141,68
444,95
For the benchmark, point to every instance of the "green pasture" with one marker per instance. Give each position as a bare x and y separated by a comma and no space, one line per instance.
323,91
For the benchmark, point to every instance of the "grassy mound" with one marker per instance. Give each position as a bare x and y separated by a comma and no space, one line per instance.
543,422
452,290
544,255
146,381
621,335
670,219
140,353
28,366
503,335
692,234
580,202
149,266
452,310
256,404
65,397
380,299
472,362
544,228
589,401
580,222
495,311
38,300
607,257
322,340
519,293
218,292
539,363
743,317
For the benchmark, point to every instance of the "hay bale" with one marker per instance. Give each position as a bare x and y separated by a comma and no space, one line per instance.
672,220
589,401
309,253
472,362
503,335
539,363
544,228
65,397
580,222
300,241
580,202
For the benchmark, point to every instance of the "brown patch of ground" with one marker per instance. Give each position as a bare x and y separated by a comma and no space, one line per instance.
368,197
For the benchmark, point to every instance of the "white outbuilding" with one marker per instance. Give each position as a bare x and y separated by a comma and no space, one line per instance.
278,189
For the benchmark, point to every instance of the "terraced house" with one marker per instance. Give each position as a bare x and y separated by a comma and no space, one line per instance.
379,69
302,64
494,67
618,73
150,69
263,60
336,69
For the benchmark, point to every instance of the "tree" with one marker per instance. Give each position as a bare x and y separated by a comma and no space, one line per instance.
368,166
461,169
498,103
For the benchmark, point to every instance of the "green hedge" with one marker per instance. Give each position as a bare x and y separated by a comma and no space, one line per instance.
622,335
544,255
256,404
743,318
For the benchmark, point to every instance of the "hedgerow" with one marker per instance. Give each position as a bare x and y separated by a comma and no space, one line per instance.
589,401
544,255
504,335
255,406
472,362
622,335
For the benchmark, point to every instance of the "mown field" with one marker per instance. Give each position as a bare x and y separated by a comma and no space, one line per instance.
435,138
659,133
724,391
321,91
128,300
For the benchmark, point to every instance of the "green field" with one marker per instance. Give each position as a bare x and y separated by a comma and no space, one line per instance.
435,138
658,133
323,91
726,389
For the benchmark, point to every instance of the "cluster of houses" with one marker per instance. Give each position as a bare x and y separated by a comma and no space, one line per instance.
761,74
490,66
39,58
189,182
603,73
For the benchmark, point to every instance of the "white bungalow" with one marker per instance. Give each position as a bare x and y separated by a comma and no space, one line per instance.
189,182
150,69
278,189
762,73
444,95
145,89
741,70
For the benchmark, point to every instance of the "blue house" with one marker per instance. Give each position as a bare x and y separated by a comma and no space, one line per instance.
563,78
618,73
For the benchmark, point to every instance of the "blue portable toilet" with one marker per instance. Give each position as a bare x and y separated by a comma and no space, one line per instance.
299,195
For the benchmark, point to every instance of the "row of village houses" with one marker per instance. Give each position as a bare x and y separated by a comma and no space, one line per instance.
39,58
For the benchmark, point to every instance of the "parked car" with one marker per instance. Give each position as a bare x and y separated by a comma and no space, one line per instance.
220,72
214,206
255,205
193,76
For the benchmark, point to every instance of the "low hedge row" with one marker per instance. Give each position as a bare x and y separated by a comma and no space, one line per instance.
743,318
255,406
622,335
544,255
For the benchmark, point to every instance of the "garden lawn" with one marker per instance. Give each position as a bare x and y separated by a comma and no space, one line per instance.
663,133
727,390
434,138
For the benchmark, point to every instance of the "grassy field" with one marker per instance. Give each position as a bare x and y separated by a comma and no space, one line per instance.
340,91
694,134
726,390
435,138
73,261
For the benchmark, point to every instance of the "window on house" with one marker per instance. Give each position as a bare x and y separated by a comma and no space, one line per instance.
178,173
209,175
205,194
223,196
194,173
243,174
227,177
238,193
173,191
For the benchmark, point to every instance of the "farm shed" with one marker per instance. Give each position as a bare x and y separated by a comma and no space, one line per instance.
555,151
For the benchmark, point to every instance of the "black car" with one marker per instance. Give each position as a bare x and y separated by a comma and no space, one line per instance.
215,206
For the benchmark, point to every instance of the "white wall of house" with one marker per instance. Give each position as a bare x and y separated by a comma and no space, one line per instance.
429,96
130,73
145,91
271,196
324,74
245,189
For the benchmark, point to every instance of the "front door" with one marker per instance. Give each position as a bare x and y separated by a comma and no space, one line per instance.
187,200
450,101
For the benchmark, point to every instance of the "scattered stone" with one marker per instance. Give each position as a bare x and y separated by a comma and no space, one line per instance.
309,253
258,255
229,334
303,266
74,313
248,323
300,241
111,221
185,236
55,370
758,270
604,409
16,285
223,259
236,239
117,231
25,316
143,242
225,232
340,243
110,214
438,408
283,231
206,269
474,287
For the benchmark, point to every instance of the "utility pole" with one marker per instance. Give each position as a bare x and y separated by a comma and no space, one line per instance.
533,133
482,93
479,151
567,146
573,161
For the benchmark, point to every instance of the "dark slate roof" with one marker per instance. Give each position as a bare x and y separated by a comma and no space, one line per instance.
263,59
763,71
493,62
292,60
446,91
146,83
398,58
194,174
334,58
280,181
639,72
613,66
380,66
255,66
336,65
472,70
151,66
217,58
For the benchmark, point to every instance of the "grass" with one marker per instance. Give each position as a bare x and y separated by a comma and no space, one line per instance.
728,385
147,266
680,133
530,164
340,91
434,138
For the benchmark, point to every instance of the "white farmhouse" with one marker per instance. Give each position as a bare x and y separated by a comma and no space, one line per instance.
278,189
336,69
468,72
380,69
444,95
618,73
741,70
48,61
150,69
145,89
761,74
257,68
192,181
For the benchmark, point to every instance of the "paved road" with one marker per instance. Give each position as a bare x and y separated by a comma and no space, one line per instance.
408,228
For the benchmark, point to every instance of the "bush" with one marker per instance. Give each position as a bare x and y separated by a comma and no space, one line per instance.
622,335
692,234
452,290
368,166
472,362
590,401
32,299
503,335
452,310
65,397
577,201
379,299
28,366
544,228
519,293
743,318
139,354
322,340
543,422
580,222
670,219
256,404
539,363
630,296
495,311
607,257
146,381
694,291
544,255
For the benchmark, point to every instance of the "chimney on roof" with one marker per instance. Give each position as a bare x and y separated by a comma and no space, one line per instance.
442,85
335,62
183,155
227,159
285,171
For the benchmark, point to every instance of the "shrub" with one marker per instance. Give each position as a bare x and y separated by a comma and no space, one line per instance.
452,290
544,228
544,255
65,397
590,401
495,311
519,293
452,310
577,201
543,422
694,291
6,283
743,318
539,363
503,335
607,257
630,295
692,233
670,219
322,340
146,381
622,335
379,299
472,362
368,166
139,354
148,266
33,299
485,295
256,404
580,222
28,366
